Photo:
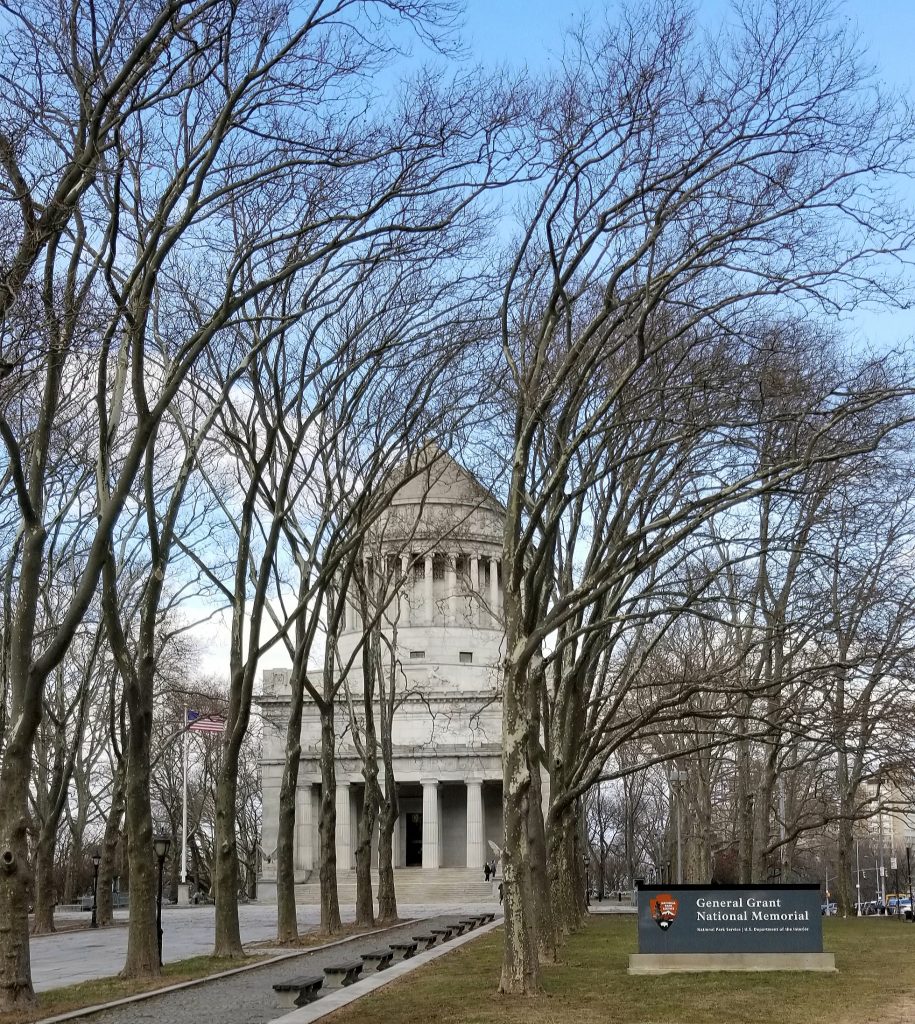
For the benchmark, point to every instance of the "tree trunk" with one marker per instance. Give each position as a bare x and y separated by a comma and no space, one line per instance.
15,967
520,962
327,825
744,807
762,812
25,708
629,825
45,897
387,821
225,858
546,930
142,945
845,901
365,907
287,927
563,870
71,877
174,866
540,886
109,849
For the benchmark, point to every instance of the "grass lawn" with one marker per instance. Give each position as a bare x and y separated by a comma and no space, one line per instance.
102,990
875,984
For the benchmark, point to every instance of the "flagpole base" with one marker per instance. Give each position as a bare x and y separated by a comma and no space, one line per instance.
184,894
266,891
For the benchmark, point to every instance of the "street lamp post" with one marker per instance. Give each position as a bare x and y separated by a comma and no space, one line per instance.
160,845
586,860
96,860
858,877
679,777
908,865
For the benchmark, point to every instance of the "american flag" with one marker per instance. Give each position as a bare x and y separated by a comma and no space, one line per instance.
196,722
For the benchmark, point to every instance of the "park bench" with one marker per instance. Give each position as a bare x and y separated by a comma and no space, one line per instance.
345,973
404,949
446,932
459,927
299,991
469,923
486,918
427,938
381,958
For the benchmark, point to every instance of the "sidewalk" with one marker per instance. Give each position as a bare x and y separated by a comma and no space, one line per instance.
248,998
70,957
73,956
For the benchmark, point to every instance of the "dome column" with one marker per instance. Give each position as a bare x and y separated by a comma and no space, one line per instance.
431,854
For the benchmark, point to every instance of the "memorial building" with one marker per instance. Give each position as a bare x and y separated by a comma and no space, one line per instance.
442,540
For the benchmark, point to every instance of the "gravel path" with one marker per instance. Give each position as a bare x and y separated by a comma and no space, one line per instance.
248,998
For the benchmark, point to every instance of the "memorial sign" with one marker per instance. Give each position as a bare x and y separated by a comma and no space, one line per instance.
738,927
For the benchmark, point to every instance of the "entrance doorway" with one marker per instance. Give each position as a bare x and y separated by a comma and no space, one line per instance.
413,853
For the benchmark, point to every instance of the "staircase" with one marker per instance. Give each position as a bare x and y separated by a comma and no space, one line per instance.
456,886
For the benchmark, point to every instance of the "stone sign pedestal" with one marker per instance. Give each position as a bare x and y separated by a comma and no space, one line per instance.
680,963
184,894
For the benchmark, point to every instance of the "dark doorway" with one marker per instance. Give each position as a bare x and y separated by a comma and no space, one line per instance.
413,855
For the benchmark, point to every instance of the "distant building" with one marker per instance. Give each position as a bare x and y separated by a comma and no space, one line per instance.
891,829
444,535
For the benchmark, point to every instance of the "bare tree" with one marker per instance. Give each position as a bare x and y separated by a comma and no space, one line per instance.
675,207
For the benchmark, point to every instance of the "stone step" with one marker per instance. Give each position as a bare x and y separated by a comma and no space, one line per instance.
447,885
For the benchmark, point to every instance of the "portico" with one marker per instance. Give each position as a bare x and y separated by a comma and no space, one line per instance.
442,824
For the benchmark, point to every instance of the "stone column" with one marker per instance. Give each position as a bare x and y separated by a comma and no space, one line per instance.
395,842
315,816
343,834
428,601
494,590
544,792
270,827
430,824
303,828
474,590
451,598
475,823
404,593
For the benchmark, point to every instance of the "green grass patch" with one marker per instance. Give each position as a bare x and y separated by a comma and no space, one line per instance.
103,990
875,983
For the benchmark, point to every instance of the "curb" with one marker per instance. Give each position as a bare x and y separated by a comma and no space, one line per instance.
341,997
86,1011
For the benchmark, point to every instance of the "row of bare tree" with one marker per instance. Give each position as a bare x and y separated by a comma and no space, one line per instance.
245,293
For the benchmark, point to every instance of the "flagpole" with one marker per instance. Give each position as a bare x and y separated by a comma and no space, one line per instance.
184,805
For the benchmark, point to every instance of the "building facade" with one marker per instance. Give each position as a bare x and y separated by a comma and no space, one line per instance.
440,543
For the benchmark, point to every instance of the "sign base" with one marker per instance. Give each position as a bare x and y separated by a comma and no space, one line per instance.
678,963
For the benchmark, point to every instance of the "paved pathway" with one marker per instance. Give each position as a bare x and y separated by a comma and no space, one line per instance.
69,957
248,998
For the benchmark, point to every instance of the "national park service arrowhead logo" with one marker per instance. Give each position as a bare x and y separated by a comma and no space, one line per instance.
664,909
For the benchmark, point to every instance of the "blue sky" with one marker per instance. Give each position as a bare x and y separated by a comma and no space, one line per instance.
529,31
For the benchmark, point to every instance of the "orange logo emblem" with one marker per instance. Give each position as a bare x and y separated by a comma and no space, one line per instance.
664,909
